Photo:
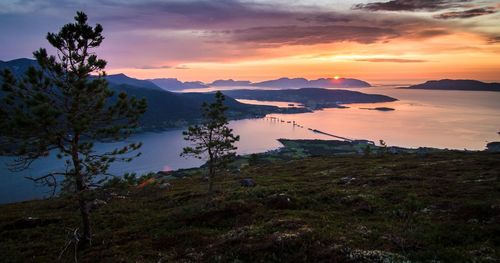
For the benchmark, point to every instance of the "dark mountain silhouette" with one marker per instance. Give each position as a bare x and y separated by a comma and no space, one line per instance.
174,84
120,79
230,83
282,83
287,83
318,83
18,66
311,97
450,84
169,109
165,109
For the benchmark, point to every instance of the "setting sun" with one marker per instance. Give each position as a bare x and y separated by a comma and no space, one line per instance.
336,77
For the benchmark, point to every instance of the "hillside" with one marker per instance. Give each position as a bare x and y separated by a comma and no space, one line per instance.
449,84
314,98
168,109
441,207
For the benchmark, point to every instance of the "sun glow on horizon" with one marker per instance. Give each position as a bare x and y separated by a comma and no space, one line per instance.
336,77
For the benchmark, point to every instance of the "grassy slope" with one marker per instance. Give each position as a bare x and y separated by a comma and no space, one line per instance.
445,207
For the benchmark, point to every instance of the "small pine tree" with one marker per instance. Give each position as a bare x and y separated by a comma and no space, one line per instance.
212,139
65,105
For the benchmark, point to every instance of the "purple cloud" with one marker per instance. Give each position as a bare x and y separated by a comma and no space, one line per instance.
411,5
467,13
309,35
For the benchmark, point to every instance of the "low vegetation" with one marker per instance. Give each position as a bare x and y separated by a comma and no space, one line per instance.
438,207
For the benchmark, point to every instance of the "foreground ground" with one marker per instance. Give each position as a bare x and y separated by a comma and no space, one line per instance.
439,207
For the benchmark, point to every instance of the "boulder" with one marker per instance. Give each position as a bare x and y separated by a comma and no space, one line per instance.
165,185
346,180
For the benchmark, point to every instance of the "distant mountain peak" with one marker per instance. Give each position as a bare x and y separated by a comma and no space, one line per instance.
173,84
317,83
120,78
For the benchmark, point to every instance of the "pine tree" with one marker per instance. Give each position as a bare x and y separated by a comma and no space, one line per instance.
212,139
64,106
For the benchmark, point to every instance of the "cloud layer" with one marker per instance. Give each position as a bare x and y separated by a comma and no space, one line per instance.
169,35
467,13
412,5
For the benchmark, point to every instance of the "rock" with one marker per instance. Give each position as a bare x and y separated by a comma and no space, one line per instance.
363,231
346,180
248,182
165,185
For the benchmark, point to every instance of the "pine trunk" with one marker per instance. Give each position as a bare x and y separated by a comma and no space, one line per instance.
210,178
84,213
81,187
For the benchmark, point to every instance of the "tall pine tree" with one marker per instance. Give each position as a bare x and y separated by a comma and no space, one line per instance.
212,139
64,106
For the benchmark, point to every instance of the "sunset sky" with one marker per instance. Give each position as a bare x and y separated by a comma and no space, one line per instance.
378,41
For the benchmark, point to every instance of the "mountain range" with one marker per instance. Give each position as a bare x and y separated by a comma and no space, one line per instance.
19,66
281,83
173,109
165,109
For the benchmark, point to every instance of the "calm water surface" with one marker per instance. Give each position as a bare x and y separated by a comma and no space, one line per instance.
160,151
442,119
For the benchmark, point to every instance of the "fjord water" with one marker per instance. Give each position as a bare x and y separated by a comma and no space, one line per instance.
160,152
431,118
442,119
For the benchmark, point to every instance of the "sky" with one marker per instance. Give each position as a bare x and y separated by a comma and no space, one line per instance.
381,41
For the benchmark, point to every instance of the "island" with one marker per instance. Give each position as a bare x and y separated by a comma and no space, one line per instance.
311,98
459,84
